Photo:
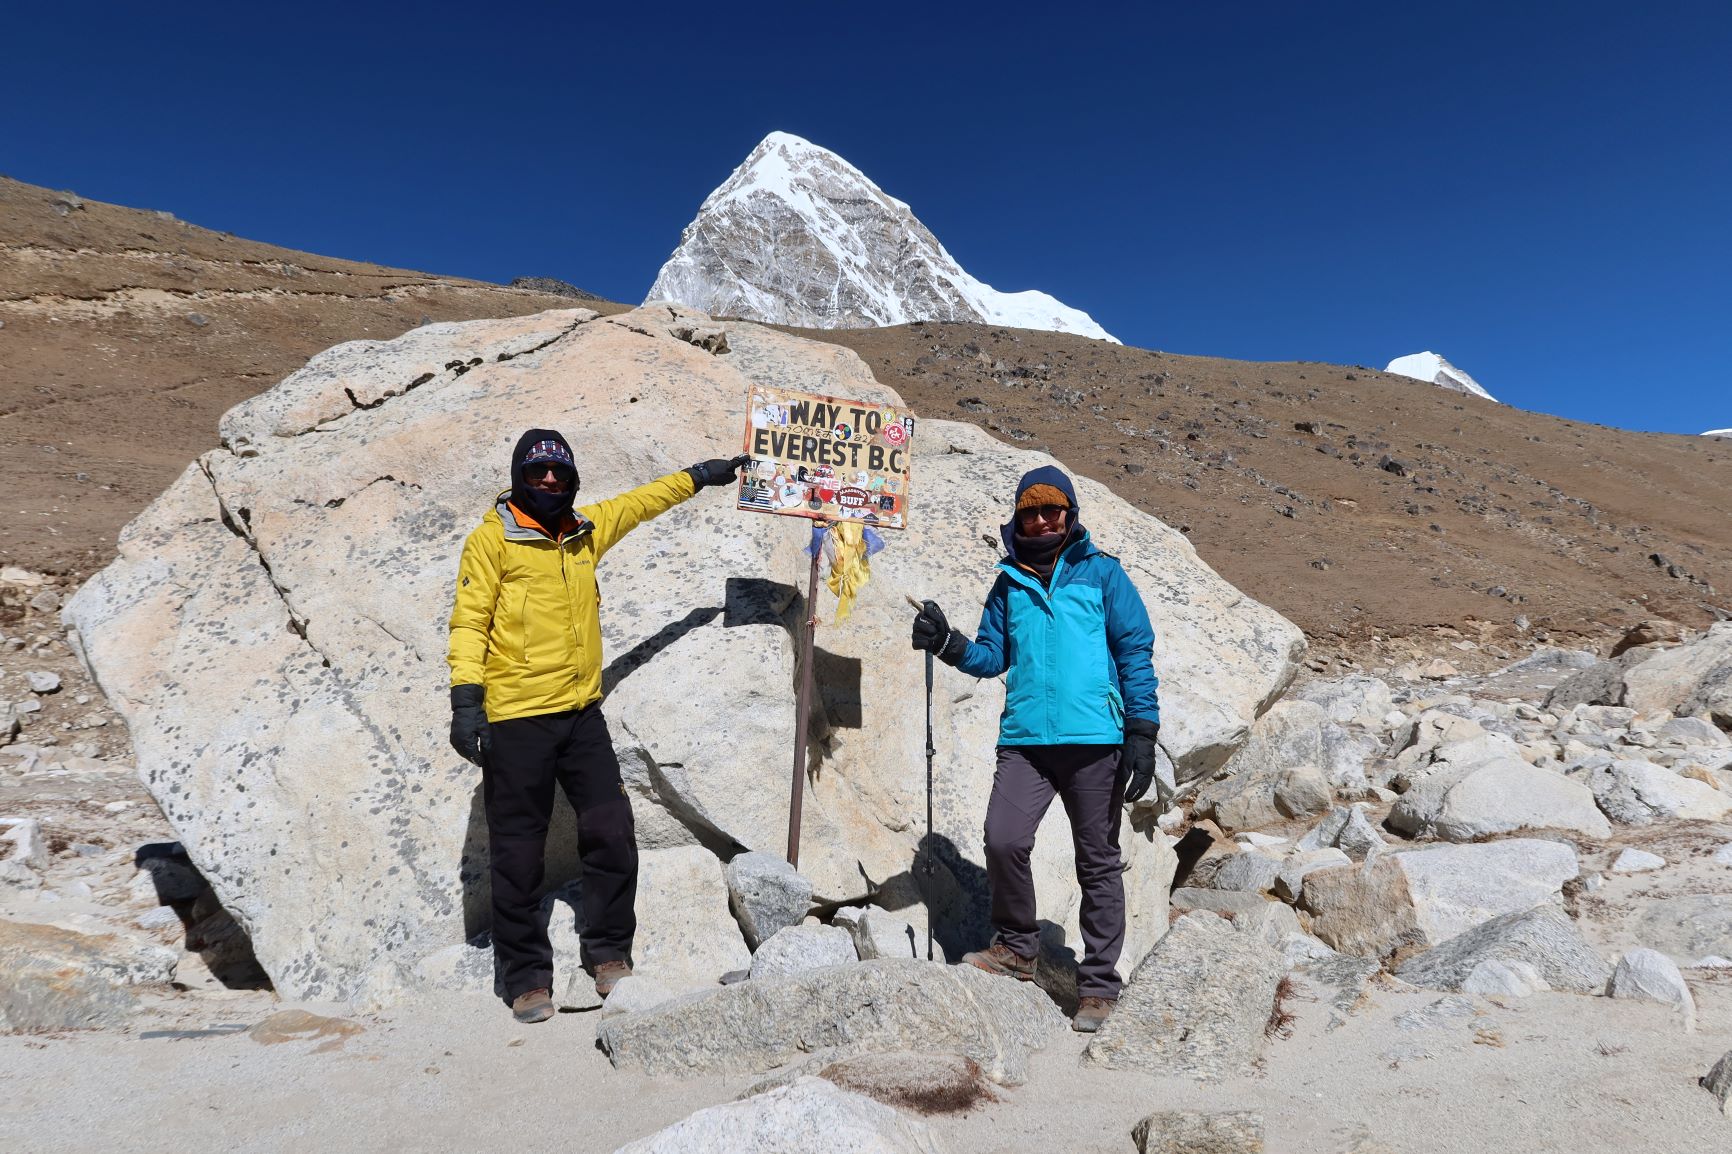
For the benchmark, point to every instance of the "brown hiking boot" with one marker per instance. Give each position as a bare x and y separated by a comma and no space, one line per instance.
607,976
1091,1012
999,958
535,1006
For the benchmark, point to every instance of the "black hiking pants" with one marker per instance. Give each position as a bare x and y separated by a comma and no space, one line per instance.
1086,779
529,755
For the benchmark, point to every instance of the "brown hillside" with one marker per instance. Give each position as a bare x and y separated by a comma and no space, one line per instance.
128,333
1492,513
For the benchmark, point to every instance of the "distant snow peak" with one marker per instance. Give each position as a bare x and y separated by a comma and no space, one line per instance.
798,236
1434,370
1719,434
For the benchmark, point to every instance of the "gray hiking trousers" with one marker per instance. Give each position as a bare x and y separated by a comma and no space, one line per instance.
1085,778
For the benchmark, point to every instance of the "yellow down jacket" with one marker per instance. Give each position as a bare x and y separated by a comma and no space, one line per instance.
526,624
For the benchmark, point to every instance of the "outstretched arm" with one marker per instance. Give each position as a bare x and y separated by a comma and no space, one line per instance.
617,516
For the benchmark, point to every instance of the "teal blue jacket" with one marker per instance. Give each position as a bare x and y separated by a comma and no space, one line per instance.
1079,652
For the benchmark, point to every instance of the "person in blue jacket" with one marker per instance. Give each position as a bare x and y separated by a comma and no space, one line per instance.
1070,633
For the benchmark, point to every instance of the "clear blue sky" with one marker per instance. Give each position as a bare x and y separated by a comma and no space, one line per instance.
1540,192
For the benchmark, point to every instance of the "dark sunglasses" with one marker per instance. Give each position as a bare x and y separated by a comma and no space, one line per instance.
1042,512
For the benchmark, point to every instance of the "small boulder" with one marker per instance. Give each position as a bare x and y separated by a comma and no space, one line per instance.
872,1007
634,993
1290,880
1196,1006
1264,796
1640,793
1686,927
57,979
1635,861
1718,1082
1250,871
1356,700
1197,1132
1654,631
1651,976
799,948
1462,802
42,681
1348,829
1428,896
807,1114
766,895
1544,938
1290,733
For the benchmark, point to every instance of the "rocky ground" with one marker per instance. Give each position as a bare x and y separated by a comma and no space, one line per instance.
1440,911
1464,886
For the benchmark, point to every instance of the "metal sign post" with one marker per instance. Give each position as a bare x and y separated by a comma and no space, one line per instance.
803,706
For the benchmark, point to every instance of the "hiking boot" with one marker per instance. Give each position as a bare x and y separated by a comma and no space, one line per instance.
1091,1012
999,958
607,976
535,1006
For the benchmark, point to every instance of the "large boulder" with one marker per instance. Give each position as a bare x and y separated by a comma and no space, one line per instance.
1288,735
1688,675
273,633
58,979
808,1114
1457,802
1422,898
867,1007
1543,938
1638,792
1196,1007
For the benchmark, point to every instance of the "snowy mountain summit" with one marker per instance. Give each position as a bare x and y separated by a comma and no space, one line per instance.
1719,434
1434,370
798,236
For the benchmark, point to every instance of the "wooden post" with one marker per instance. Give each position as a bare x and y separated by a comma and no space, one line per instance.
802,707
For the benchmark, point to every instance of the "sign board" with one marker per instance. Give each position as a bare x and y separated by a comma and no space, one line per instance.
826,459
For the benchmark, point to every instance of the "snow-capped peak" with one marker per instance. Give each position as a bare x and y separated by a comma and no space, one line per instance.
1434,370
1719,434
798,236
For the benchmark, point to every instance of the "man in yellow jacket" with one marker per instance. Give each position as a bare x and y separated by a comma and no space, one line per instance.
526,704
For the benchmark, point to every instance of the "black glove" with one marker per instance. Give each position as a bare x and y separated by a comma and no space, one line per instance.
934,634
716,471
1137,760
471,736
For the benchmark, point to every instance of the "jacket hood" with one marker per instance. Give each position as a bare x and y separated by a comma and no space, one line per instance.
544,507
1045,475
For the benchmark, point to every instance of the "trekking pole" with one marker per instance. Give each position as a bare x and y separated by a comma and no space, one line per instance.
926,864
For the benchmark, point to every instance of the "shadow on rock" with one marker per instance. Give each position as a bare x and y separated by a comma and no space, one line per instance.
211,932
